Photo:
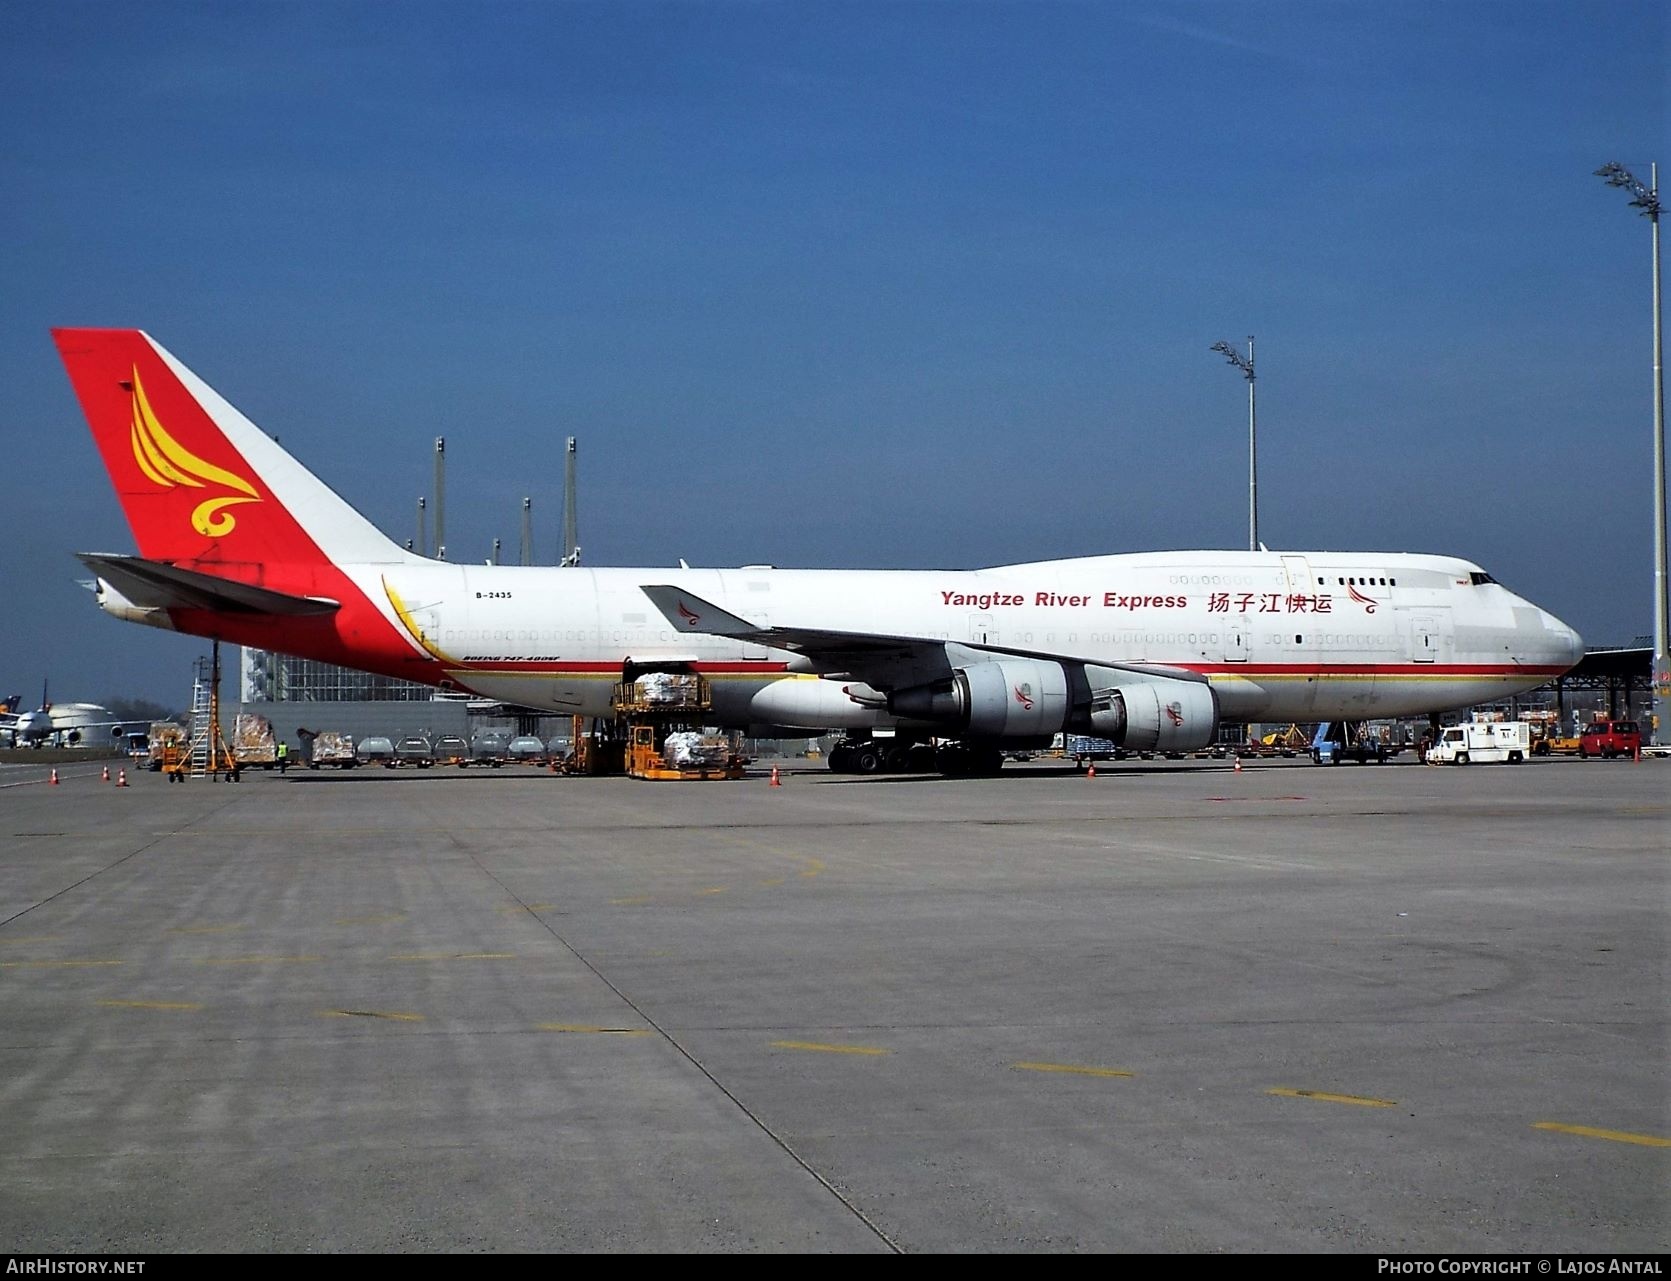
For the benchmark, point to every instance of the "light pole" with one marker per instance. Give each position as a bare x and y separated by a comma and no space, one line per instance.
1647,200
1246,366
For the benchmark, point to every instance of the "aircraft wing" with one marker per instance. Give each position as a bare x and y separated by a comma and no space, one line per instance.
155,584
881,660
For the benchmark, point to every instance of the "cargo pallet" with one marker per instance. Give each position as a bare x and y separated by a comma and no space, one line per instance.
626,744
647,722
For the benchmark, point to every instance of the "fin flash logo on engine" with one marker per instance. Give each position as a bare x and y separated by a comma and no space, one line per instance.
1175,713
168,463
1024,696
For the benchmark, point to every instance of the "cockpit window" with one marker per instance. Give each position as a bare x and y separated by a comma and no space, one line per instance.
1477,578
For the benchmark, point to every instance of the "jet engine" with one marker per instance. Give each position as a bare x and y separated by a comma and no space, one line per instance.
1016,698
1154,715
1010,698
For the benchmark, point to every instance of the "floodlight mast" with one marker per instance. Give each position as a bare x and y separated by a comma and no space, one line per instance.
1246,366
1647,200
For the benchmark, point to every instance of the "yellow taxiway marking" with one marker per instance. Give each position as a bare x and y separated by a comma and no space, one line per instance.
635,901
1354,1099
810,866
583,1027
377,918
713,889
1070,1069
153,1005
203,929
819,1048
1614,1136
776,880
255,960
453,956
395,1016
51,965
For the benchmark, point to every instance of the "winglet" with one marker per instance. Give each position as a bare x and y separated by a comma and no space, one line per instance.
690,613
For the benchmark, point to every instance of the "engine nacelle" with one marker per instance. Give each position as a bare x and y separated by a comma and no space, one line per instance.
1156,715
1010,698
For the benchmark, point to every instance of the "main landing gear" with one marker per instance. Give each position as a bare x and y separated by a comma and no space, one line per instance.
909,756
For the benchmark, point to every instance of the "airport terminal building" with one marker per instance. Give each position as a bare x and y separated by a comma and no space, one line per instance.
295,692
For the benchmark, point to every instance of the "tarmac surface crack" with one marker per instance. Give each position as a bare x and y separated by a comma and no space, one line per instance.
683,1052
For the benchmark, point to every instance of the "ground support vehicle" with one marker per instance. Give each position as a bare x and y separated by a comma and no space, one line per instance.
1608,739
334,749
490,747
661,714
374,749
165,742
1482,742
526,749
253,745
1557,744
1348,740
414,749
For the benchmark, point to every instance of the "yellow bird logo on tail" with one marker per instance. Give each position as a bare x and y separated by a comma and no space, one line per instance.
168,463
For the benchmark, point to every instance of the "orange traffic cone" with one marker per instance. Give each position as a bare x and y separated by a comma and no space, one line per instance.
54,779
1238,768
776,781
106,777
1090,769
121,778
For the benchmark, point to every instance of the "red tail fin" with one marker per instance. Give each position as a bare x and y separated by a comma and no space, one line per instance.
197,480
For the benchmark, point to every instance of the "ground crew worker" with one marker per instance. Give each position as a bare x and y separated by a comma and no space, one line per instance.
283,757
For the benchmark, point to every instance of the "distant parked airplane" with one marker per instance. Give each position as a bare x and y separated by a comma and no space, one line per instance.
49,725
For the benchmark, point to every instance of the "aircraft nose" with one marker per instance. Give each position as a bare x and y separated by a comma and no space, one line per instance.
1568,645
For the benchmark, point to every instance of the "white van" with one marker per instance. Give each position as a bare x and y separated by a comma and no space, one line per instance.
1478,743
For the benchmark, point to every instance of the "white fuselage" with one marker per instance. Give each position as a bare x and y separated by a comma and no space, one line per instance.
1281,636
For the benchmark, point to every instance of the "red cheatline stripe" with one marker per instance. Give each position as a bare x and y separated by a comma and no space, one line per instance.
564,666
1206,669
1371,669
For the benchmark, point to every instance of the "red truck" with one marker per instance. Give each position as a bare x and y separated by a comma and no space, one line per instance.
1608,739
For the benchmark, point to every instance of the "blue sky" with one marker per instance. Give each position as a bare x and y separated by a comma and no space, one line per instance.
879,285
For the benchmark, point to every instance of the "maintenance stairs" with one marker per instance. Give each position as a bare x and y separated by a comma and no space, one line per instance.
202,719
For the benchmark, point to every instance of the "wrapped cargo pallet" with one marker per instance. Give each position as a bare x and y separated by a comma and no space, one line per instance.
332,748
690,750
668,689
252,740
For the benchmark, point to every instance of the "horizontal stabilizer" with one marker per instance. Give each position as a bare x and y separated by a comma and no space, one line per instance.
154,584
